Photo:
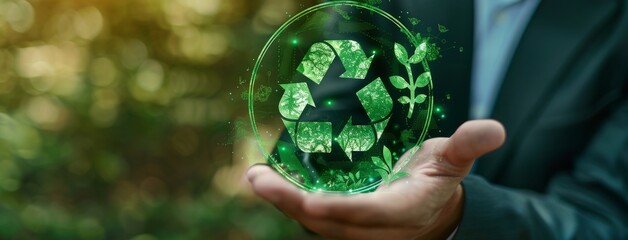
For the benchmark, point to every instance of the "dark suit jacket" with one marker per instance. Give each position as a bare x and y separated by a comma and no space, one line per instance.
563,171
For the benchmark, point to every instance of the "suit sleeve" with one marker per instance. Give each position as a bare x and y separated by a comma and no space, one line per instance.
588,202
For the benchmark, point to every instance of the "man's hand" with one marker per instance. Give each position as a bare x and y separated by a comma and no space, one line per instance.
425,205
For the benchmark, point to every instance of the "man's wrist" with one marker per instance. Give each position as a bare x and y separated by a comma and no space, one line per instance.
449,218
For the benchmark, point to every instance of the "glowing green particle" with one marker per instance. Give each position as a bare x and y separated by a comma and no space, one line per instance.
329,102
442,116
295,41
438,110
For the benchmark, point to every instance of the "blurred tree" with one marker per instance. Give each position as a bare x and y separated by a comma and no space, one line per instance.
117,119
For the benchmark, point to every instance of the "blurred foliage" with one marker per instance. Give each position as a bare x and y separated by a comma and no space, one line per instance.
119,119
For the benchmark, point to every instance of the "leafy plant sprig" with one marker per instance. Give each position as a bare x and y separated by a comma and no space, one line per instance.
385,167
347,181
421,81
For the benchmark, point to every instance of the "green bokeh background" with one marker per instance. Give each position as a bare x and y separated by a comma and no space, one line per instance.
124,119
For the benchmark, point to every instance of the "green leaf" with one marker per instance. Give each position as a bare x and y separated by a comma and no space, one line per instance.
379,163
401,54
339,178
414,21
357,175
399,82
346,177
351,176
423,79
416,59
420,99
404,100
418,37
383,174
419,53
388,158
442,28
398,175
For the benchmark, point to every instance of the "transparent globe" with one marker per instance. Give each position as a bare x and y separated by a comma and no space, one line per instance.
339,92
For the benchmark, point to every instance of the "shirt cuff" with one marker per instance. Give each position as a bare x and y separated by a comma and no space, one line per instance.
451,236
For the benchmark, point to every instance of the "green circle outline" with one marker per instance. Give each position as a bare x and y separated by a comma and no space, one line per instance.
279,31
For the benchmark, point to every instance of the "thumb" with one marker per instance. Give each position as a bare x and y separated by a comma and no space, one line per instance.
472,140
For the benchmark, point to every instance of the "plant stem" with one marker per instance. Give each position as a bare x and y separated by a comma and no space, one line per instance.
411,88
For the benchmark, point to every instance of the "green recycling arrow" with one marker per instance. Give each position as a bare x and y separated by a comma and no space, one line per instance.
356,138
312,136
352,57
378,105
320,56
294,99
316,137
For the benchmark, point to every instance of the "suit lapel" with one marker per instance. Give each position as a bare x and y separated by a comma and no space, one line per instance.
555,33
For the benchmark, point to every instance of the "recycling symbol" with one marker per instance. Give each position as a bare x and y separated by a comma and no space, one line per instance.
316,137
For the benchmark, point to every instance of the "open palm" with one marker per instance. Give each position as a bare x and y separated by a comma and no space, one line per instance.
427,204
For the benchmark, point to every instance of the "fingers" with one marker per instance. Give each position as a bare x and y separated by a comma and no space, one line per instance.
472,140
370,214
336,230
369,209
273,188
